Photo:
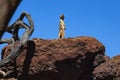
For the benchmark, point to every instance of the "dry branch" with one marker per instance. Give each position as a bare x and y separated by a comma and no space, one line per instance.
22,41
7,8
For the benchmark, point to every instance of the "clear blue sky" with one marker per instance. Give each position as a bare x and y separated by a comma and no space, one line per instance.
96,18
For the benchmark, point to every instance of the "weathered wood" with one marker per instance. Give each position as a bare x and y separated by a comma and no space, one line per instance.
22,41
7,8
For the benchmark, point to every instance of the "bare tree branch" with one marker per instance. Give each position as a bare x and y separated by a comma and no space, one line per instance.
22,41
7,8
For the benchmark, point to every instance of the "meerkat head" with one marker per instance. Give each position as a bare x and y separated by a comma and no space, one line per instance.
62,16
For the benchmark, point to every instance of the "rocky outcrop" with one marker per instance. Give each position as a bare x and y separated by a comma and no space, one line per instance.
63,59
110,70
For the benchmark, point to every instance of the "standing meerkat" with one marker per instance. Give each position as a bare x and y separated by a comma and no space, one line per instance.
62,27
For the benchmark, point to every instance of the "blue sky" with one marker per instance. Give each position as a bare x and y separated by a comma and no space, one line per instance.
96,18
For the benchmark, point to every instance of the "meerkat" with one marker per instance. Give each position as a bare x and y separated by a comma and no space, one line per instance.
62,27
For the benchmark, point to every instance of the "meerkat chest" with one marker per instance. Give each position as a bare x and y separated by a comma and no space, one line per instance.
62,25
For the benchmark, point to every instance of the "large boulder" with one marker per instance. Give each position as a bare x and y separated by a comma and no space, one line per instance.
63,59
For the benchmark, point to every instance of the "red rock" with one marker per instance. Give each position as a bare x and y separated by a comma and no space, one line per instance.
64,59
110,70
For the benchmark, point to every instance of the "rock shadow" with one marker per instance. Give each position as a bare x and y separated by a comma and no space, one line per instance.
27,61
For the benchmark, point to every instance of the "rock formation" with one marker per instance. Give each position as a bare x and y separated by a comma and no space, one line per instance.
77,58
110,70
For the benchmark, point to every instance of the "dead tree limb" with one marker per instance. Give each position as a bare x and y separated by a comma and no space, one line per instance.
22,41
7,8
